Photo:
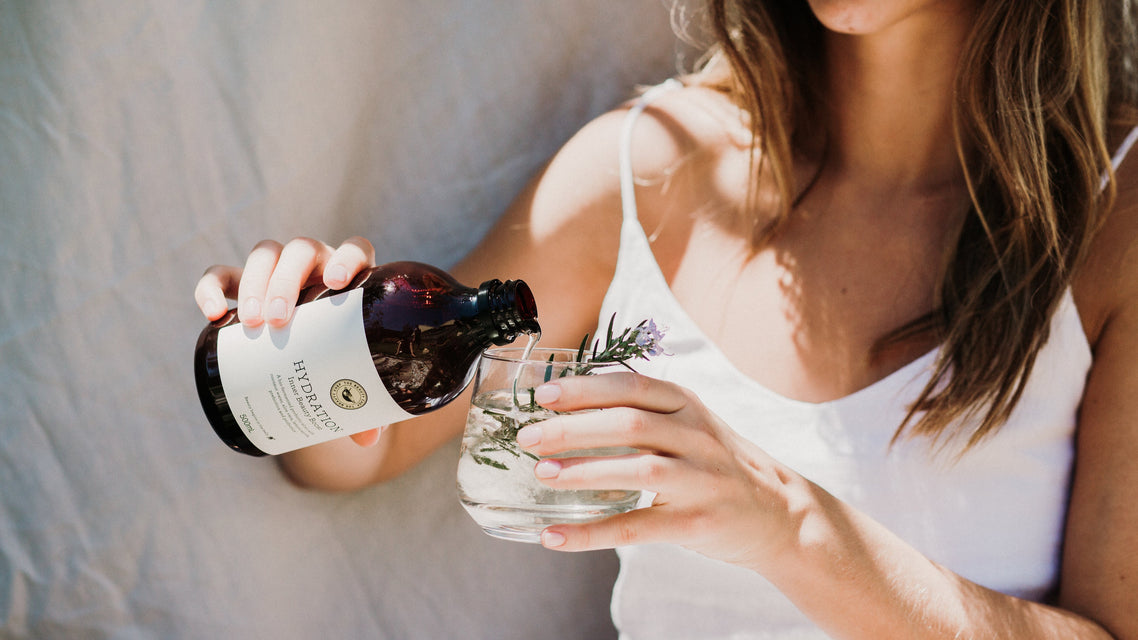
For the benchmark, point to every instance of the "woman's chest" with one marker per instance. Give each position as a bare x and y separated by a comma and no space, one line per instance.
807,320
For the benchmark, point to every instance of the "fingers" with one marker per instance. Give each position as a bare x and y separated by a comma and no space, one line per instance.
623,388
298,264
268,287
368,438
639,526
216,284
255,280
643,471
637,411
631,472
616,427
687,498
353,256
304,262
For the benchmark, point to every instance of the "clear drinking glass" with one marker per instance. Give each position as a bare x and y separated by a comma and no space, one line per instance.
495,477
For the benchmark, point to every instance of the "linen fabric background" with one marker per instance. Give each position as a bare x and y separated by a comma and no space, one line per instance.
140,142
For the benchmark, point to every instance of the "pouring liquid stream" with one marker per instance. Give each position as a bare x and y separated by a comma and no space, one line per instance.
531,344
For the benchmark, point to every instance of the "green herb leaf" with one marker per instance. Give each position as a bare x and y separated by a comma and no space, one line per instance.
641,341
489,462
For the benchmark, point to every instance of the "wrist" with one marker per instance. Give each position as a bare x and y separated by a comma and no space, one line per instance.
811,535
846,571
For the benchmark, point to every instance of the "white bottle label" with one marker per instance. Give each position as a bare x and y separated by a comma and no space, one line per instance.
307,383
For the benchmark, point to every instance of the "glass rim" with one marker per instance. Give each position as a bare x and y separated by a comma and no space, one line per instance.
498,354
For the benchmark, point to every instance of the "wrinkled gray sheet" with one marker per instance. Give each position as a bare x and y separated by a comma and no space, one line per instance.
140,142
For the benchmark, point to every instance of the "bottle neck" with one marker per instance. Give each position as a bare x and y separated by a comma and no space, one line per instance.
509,308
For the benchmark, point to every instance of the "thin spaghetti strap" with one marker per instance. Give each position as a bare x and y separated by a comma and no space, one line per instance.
1124,148
627,180
1120,153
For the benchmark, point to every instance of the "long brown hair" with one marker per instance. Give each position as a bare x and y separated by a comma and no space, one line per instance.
1036,86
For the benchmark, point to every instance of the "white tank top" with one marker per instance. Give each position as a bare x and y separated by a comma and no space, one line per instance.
995,516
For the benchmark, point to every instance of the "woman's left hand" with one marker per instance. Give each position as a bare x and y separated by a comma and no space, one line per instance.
716,493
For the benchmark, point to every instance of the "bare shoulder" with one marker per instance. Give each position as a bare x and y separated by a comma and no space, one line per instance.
1099,565
1106,286
569,215
678,130
690,158
562,232
581,183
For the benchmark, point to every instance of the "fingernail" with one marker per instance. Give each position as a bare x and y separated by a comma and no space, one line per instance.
212,308
251,309
547,393
529,436
278,309
547,468
552,539
336,276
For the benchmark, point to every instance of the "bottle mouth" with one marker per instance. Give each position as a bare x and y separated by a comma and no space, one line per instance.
512,308
527,306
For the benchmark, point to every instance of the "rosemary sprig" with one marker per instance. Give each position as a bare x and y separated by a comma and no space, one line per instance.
641,341
504,438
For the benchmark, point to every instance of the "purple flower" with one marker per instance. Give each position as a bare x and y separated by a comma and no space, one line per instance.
648,338
641,341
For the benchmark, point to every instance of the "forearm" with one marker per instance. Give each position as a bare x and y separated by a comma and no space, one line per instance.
338,465
343,465
857,580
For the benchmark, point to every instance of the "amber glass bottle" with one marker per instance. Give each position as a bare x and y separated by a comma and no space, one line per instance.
400,340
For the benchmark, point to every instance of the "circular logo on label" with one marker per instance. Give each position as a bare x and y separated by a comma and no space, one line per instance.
348,394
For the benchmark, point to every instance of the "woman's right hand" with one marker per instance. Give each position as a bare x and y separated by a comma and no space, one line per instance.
267,287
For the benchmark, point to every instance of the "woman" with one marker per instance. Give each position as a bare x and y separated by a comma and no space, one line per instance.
895,260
